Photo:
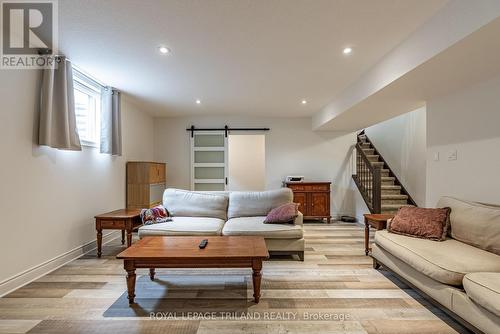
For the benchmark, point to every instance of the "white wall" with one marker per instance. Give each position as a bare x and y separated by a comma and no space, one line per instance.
49,197
360,207
246,162
292,148
467,121
402,142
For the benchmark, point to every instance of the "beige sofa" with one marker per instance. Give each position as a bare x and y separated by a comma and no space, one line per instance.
230,213
461,273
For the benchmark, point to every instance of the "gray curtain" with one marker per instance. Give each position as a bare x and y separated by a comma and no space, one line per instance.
111,125
57,126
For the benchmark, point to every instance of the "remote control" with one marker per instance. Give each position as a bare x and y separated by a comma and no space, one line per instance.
203,243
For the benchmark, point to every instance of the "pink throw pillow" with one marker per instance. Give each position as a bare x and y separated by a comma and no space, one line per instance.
285,213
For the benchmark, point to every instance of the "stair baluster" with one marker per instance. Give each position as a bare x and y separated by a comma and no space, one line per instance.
379,186
368,179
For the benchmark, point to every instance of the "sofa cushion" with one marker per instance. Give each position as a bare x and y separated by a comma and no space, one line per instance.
184,226
447,261
256,226
183,203
484,289
256,203
474,223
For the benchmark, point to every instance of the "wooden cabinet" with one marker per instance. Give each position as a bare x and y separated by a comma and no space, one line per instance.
313,199
301,199
146,182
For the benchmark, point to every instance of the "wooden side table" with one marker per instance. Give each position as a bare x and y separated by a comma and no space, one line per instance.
377,221
123,219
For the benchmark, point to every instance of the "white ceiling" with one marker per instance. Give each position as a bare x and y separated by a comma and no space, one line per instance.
252,57
467,62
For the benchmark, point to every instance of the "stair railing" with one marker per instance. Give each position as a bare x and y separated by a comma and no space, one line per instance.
368,179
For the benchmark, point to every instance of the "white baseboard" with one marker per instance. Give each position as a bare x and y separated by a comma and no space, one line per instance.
33,273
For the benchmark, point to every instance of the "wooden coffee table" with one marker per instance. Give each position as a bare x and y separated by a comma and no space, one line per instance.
183,252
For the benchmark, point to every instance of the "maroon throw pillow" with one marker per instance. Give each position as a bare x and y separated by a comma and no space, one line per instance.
285,213
423,223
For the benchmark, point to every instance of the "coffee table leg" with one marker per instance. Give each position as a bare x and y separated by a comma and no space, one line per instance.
152,273
256,277
130,268
123,237
99,242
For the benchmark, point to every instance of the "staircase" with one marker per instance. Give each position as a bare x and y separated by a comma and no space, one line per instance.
378,185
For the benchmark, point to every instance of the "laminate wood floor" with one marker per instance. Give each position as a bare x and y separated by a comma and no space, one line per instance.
335,290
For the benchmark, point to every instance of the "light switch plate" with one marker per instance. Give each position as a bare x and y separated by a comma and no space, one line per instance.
452,155
436,156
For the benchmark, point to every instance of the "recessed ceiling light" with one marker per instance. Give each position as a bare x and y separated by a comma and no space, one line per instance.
198,102
347,51
303,101
164,50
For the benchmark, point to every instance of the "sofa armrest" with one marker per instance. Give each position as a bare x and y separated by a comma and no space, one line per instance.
299,220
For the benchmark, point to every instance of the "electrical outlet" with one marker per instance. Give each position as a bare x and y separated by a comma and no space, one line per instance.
452,155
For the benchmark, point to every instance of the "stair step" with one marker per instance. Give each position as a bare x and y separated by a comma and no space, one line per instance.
384,172
373,157
392,206
386,180
377,163
395,201
398,196
369,150
391,190
391,187
366,145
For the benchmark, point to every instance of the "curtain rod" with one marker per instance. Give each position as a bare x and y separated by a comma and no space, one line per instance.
226,129
48,52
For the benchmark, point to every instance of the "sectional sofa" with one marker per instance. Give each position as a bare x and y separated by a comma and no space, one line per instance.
230,213
461,273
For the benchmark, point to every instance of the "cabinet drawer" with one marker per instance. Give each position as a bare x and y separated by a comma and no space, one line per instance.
320,187
309,187
296,187
113,224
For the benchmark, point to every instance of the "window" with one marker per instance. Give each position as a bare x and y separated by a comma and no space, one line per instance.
87,108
